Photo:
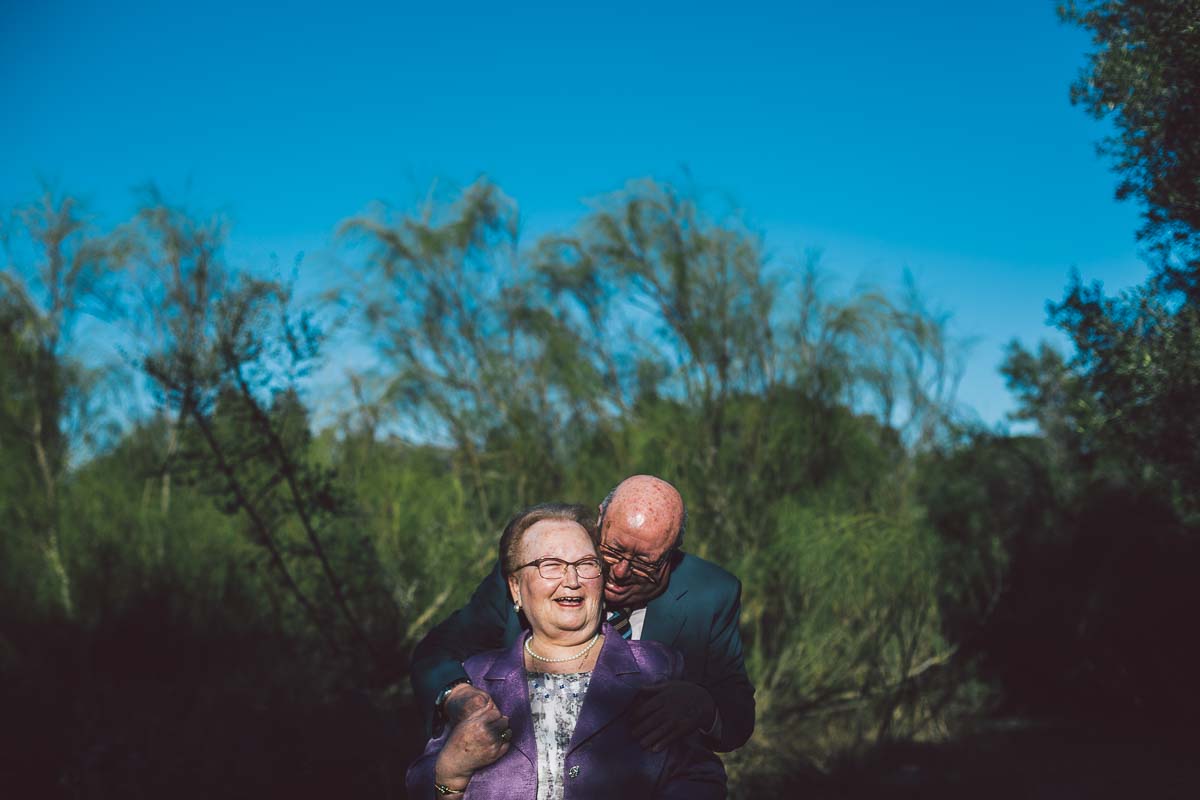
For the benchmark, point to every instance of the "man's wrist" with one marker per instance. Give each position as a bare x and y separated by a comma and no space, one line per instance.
439,703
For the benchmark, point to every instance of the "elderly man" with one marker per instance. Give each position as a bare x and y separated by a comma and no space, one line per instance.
653,591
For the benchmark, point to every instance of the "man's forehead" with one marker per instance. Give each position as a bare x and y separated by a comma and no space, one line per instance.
645,516
632,534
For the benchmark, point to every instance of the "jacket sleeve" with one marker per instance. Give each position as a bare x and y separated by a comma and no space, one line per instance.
725,676
477,626
420,777
693,771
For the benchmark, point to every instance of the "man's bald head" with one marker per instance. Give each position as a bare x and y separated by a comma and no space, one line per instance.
643,501
641,523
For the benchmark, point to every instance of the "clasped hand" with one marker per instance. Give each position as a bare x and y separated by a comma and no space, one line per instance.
670,710
474,741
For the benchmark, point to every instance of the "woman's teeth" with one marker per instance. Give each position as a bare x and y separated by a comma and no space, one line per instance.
568,601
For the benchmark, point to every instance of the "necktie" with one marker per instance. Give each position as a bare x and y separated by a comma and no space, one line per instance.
619,619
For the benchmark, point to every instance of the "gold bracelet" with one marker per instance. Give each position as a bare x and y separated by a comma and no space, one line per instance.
443,790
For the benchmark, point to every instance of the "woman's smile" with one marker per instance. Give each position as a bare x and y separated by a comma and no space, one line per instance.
563,610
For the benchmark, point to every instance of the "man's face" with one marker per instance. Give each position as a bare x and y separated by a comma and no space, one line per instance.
638,552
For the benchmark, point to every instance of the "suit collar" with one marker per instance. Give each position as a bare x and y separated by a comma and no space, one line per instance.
666,613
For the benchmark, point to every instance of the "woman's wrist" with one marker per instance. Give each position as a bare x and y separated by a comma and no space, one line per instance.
450,779
447,788
448,791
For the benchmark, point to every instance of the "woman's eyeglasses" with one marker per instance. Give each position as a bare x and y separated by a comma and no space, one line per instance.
553,569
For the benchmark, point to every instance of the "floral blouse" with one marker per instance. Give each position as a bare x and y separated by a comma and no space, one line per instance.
555,702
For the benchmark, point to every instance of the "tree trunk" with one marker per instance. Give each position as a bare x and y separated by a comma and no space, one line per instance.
51,546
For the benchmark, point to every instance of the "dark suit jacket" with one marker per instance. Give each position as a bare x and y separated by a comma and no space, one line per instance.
603,759
697,615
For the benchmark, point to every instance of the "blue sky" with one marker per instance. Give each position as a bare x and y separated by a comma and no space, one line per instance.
932,136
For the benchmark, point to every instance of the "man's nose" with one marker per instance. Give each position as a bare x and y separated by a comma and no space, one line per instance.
620,570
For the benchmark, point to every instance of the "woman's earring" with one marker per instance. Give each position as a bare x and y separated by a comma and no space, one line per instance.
517,605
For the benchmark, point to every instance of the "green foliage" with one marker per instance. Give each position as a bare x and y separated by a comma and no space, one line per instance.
429,546
222,584
1121,408
57,270
1145,71
1139,359
1072,540
1102,525
652,338
471,360
1050,574
838,607
1064,555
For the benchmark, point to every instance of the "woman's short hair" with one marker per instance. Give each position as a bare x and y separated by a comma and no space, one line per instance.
514,531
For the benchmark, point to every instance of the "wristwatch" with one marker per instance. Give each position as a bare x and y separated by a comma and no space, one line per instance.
439,702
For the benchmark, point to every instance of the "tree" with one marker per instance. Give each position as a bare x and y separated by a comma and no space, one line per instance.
475,361
1060,547
1146,73
225,351
47,407
1122,406
684,315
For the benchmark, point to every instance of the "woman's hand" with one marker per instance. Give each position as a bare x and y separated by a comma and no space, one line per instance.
476,741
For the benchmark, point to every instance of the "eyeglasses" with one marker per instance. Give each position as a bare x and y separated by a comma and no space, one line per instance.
554,569
646,570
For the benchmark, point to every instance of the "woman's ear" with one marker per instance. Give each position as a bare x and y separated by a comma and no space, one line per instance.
514,589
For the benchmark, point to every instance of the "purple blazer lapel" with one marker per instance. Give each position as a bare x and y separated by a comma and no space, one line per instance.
505,682
612,690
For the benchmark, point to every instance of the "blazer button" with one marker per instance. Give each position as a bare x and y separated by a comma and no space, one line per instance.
573,772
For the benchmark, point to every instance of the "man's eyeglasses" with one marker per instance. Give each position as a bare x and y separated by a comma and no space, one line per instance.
647,570
553,569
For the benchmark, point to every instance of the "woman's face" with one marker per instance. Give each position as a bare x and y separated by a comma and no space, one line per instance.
556,609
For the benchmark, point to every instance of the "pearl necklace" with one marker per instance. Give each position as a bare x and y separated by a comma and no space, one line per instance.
571,657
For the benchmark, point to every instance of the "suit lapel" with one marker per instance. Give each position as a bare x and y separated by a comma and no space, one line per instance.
666,613
611,691
505,682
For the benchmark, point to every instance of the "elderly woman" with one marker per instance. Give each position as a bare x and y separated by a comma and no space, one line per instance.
557,725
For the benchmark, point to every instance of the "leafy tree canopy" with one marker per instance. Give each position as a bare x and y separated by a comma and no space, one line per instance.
1146,73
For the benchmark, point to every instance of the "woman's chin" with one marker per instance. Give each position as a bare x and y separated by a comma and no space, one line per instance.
571,621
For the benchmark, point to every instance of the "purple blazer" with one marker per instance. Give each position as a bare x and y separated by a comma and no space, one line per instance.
603,758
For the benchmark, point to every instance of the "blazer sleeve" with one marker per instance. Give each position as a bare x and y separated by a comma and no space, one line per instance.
477,626
725,675
420,777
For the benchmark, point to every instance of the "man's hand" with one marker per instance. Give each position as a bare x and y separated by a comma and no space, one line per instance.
463,701
476,740
669,710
